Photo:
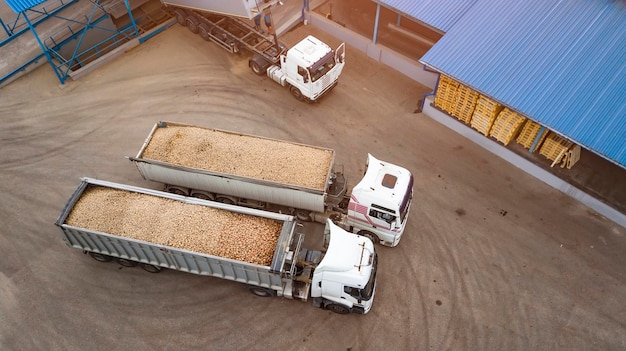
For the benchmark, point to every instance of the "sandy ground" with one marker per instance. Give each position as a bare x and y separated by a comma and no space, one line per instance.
492,258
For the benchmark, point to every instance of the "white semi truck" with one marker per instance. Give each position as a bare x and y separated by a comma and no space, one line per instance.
154,229
309,69
267,173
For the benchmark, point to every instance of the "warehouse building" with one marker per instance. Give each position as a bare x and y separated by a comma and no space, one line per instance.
540,83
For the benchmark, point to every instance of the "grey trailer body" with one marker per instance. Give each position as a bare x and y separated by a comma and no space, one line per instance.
239,8
242,187
270,277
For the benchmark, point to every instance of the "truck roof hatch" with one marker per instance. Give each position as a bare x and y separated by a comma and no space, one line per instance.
309,51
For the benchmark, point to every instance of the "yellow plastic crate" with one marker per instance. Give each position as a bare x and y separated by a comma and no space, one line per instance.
506,126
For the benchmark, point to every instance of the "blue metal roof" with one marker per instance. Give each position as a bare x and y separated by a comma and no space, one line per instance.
441,14
22,5
560,63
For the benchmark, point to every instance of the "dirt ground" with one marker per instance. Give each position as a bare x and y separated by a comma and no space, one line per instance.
492,259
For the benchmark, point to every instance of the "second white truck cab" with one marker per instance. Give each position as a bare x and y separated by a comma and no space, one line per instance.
380,202
310,68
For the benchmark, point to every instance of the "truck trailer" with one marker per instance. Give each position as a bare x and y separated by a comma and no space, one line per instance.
156,230
279,176
309,69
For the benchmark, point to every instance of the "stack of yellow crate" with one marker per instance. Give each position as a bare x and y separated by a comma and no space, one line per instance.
465,103
528,134
506,126
555,148
445,98
485,114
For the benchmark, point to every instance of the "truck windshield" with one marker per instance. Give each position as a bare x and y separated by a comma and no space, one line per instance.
367,292
406,202
323,66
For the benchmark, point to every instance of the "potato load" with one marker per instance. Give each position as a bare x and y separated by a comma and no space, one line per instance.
241,155
180,225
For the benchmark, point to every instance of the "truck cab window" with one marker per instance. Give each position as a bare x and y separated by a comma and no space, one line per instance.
304,73
387,217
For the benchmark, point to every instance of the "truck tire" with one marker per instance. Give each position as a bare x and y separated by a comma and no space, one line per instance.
256,68
296,93
126,263
181,17
341,309
150,268
262,292
100,257
225,200
373,237
203,30
303,215
202,195
192,24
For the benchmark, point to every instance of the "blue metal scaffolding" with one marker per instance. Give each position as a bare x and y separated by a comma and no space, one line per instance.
76,34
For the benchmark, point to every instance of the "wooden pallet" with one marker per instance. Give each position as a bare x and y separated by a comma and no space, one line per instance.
506,126
485,114
445,98
571,157
554,148
465,103
529,132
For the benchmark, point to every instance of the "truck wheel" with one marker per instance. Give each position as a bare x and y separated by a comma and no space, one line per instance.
202,195
150,268
296,93
341,309
203,30
262,292
176,190
181,17
192,24
256,68
304,216
370,236
126,263
100,257
225,200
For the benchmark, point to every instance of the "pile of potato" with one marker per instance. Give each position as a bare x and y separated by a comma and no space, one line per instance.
241,155
173,223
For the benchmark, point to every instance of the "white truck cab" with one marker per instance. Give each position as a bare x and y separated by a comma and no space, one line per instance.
345,279
310,68
380,202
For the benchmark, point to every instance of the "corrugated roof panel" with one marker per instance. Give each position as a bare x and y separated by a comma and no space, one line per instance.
22,5
441,14
561,63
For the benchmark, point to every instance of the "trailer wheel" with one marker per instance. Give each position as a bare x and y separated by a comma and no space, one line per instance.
341,309
262,292
202,195
126,263
296,93
192,24
303,215
150,268
225,200
181,17
203,30
100,257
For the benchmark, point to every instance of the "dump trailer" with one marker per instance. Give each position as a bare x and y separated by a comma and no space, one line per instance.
156,230
279,176
309,69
